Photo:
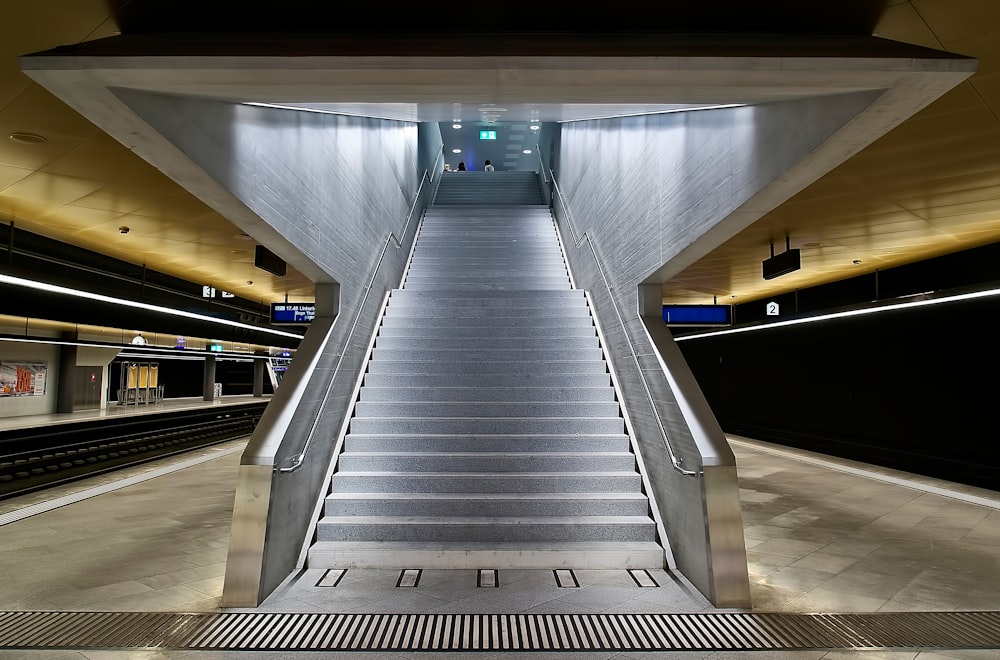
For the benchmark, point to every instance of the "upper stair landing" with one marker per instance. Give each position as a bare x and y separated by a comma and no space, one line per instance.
489,189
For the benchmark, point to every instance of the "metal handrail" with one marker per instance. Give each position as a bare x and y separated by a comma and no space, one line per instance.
578,241
390,239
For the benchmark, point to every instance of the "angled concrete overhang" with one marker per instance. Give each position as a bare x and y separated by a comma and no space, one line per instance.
516,71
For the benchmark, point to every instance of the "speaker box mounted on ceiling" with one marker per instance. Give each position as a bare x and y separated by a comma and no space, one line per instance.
788,261
269,261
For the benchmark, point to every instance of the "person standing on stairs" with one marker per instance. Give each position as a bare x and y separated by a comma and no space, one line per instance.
489,166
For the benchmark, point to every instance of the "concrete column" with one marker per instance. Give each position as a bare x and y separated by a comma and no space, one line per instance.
258,378
208,385
65,390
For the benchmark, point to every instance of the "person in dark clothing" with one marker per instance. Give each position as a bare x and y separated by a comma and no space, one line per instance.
461,166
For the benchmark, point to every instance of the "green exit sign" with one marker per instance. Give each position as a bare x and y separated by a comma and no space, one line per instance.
487,135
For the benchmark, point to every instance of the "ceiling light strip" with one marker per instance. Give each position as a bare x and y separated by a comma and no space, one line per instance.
845,314
53,288
720,106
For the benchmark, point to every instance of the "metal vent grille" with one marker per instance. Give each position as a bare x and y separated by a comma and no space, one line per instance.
490,632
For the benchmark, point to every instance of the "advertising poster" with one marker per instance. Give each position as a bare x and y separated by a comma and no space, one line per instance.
22,378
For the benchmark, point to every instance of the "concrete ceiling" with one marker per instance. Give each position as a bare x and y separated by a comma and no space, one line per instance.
929,187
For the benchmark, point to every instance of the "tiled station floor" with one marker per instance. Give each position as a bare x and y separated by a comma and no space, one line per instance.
823,535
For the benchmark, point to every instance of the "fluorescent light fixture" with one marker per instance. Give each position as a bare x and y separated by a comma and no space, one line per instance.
845,314
720,106
147,351
389,111
53,288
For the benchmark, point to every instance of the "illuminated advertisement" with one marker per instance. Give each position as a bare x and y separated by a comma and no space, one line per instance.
22,378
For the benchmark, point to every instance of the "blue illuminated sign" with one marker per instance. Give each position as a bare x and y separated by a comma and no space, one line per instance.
697,315
292,313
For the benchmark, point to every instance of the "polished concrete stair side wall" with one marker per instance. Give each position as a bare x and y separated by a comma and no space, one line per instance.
487,433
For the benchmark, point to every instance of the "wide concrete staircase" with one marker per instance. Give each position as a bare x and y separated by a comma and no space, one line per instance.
487,433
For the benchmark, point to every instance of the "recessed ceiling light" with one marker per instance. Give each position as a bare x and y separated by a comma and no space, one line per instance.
526,151
456,126
456,151
28,138
534,127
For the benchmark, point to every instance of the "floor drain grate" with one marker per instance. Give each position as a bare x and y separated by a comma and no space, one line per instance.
332,577
642,578
488,578
566,579
409,578
488,632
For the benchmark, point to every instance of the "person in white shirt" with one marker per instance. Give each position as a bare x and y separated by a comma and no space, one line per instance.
489,166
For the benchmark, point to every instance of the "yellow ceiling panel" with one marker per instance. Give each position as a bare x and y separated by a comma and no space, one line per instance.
114,198
32,156
13,83
974,221
957,19
933,203
988,88
958,99
10,175
108,161
38,111
51,189
902,22
27,211
75,218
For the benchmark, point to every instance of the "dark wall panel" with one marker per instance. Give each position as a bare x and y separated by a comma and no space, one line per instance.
910,389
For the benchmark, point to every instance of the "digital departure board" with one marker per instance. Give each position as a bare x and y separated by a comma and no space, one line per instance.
292,313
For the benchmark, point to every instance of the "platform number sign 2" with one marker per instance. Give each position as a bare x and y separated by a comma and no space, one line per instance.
772,309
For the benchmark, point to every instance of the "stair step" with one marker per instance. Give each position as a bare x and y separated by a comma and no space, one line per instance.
487,354
484,311
486,462
486,409
487,425
610,442
488,504
529,555
597,379
493,367
486,334
522,394
575,294
482,528
486,482
488,322
470,343
486,286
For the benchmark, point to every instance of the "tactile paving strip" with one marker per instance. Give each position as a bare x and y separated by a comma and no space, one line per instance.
260,631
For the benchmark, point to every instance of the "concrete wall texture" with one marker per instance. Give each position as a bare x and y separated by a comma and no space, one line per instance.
649,195
337,191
